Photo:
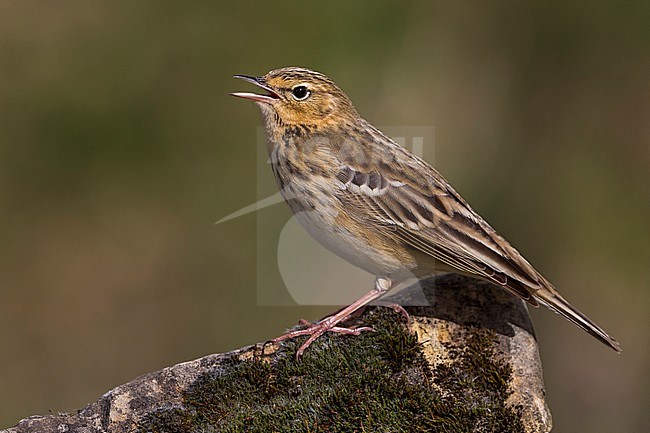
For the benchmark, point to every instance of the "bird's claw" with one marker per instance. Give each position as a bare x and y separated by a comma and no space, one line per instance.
396,308
315,330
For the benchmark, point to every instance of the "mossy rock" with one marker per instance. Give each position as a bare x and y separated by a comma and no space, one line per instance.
467,362
377,382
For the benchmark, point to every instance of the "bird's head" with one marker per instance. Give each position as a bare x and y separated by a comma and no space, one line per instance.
299,96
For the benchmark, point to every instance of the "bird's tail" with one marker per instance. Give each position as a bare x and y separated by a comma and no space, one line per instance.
553,300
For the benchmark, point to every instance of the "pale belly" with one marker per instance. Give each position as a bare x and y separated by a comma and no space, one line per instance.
319,215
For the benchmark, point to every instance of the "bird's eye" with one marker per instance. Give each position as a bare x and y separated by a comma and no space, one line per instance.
300,93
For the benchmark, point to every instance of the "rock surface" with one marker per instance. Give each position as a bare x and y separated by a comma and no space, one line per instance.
466,362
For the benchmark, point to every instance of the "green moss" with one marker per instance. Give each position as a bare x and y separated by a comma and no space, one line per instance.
376,382
169,420
476,385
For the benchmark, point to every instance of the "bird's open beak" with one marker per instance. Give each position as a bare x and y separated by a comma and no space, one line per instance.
270,98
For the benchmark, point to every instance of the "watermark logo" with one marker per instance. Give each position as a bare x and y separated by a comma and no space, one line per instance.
292,267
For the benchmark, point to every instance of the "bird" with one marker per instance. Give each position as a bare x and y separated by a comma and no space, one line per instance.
377,205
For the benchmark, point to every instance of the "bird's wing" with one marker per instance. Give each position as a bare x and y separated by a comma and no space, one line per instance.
426,214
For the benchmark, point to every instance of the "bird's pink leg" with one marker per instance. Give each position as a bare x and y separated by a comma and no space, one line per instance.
328,324
379,303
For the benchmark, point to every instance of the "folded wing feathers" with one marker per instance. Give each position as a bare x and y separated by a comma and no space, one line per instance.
438,224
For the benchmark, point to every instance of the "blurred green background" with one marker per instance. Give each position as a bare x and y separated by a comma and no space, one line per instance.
119,149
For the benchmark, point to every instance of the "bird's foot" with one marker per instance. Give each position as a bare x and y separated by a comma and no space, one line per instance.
358,313
330,324
315,330
396,308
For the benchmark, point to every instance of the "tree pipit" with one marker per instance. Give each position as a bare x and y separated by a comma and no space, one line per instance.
377,205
